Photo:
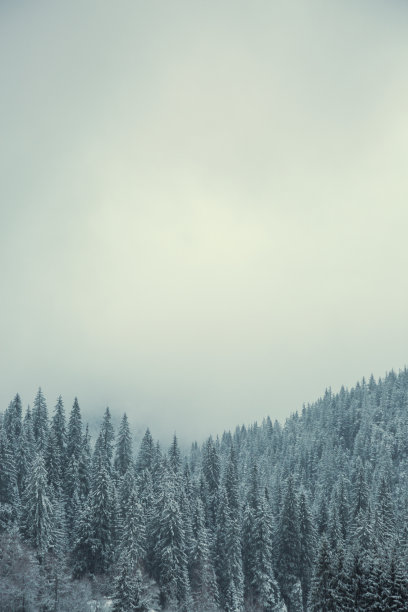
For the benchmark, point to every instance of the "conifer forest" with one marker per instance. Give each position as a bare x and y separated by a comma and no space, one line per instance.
306,516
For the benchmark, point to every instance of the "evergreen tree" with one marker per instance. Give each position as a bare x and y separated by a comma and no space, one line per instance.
231,482
101,501
12,421
74,437
37,519
174,456
211,468
40,421
107,437
84,466
170,560
340,582
8,472
307,539
228,557
288,543
82,556
133,527
146,456
321,594
384,515
58,428
53,462
265,588
123,457
128,594
203,579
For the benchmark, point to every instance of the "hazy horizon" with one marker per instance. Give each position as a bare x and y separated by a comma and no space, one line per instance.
203,206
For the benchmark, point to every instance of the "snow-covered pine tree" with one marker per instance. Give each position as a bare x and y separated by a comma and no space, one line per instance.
203,579
169,554
228,557
40,421
265,589
146,456
74,435
307,544
107,437
58,427
123,456
128,593
211,469
84,466
321,593
288,543
37,517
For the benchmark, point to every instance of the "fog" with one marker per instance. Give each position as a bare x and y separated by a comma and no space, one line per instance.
203,206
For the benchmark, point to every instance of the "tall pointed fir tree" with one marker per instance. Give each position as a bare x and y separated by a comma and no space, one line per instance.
73,453
95,531
84,466
175,456
170,559
146,455
12,420
123,456
261,588
133,522
289,545
107,437
321,594
384,516
203,579
211,467
40,421
340,582
74,436
9,494
53,463
102,508
37,520
231,481
228,557
58,427
129,593
307,542
265,587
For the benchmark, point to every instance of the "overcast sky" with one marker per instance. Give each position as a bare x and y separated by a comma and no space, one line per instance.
204,205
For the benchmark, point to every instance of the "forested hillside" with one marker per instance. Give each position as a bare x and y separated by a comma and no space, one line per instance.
311,515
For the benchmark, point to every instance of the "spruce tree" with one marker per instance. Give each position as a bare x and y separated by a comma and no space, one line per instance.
146,455
203,579
321,593
307,543
228,557
74,436
58,427
40,421
175,456
170,560
128,592
101,501
211,468
37,520
107,437
288,543
123,457
340,582
264,586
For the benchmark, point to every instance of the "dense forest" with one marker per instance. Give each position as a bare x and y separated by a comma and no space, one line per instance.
309,516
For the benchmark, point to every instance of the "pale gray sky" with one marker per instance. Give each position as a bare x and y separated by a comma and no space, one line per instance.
203,205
